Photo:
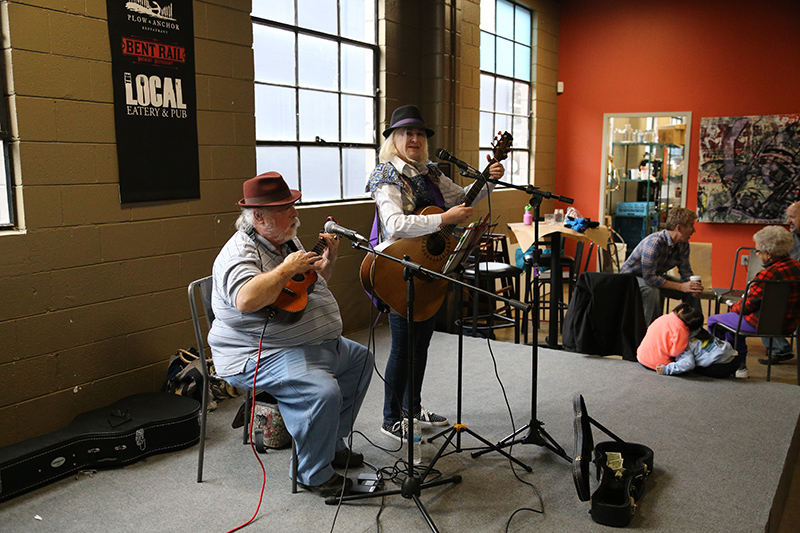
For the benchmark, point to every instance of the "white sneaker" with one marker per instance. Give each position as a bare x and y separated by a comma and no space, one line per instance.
742,372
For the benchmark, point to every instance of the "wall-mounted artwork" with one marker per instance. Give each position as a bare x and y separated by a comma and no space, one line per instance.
749,168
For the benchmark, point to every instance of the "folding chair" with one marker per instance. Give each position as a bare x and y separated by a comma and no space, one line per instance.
776,301
204,287
729,296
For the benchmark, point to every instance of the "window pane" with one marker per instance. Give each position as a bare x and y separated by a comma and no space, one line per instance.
487,52
317,15
357,74
278,10
356,165
282,159
505,19
504,100
5,207
519,168
275,113
486,130
522,25
318,63
487,93
358,20
319,116
502,123
521,131
522,98
505,57
357,124
487,15
319,171
522,62
273,50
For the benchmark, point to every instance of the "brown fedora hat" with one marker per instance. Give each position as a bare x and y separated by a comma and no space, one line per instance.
407,116
266,190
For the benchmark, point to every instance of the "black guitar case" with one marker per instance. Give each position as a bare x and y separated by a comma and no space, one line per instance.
122,433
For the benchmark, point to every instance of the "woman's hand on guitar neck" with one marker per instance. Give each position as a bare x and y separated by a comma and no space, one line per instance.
456,215
496,170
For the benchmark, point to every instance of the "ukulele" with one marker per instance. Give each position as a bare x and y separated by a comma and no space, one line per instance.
383,277
293,298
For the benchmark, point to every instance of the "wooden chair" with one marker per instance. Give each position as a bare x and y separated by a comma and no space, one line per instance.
700,259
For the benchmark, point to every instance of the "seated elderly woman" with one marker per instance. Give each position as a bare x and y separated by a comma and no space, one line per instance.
773,244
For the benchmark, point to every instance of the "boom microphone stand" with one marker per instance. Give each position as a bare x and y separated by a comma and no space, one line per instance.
536,433
414,483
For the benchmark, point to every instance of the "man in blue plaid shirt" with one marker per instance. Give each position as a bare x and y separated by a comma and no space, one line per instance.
658,253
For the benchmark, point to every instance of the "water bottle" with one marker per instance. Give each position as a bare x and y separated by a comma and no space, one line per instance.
417,443
527,217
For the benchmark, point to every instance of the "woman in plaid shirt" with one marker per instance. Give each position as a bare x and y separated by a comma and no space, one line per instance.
773,244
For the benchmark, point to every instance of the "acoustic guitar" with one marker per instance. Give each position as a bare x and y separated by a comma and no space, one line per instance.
383,277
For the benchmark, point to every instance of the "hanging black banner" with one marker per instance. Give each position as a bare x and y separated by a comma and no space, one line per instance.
155,102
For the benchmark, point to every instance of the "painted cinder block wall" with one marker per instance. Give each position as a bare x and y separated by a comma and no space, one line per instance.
93,293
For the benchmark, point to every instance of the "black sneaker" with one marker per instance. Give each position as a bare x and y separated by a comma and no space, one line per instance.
428,418
777,359
347,459
396,430
335,486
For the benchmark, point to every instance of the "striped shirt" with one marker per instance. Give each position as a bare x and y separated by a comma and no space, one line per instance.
655,255
234,335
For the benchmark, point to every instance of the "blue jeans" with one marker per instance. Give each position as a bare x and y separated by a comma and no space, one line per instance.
779,345
396,374
319,391
653,299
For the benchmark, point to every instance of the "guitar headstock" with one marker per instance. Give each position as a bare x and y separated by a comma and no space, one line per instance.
501,145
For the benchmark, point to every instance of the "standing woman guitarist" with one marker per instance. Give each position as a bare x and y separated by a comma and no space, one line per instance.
403,183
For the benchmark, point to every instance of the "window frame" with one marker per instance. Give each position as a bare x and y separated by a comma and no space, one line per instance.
341,146
487,149
6,139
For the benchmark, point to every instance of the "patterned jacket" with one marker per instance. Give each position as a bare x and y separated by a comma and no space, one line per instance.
779,268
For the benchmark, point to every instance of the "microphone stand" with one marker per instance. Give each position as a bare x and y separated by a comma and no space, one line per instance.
414,483
536,433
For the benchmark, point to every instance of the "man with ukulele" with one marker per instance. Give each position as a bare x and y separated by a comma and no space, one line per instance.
277,329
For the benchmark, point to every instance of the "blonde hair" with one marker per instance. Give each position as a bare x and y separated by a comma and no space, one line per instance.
389,149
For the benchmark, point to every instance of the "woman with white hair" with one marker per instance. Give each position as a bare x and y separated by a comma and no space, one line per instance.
773,244
405,182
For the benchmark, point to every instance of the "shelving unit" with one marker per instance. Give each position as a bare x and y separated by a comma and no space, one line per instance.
650,198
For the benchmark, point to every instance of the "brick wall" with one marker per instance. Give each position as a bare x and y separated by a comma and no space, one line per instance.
93,293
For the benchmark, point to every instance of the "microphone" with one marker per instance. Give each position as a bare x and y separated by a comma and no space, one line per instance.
332,227
443,154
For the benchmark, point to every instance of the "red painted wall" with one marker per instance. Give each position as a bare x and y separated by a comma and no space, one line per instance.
711,57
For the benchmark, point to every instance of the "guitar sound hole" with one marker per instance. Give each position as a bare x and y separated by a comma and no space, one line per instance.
435,245
298,277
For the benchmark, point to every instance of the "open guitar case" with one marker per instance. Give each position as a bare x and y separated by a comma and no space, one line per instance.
114,436
624,466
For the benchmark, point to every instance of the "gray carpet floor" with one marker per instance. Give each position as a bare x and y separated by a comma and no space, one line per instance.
720,448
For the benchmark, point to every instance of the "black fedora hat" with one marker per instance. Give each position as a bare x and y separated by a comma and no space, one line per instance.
266,190
407,116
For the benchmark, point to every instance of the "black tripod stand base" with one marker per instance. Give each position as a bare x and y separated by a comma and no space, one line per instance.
408,491
536,435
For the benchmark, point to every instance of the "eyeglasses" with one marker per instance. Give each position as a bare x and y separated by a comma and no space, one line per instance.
761,252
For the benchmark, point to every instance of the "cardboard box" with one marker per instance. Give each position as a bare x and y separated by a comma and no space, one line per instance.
675,134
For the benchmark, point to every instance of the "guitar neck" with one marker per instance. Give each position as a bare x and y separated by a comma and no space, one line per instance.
473,193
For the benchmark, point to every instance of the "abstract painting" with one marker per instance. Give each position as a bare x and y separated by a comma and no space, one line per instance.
749,168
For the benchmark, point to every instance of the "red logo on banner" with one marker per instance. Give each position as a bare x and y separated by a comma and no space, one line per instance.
152,52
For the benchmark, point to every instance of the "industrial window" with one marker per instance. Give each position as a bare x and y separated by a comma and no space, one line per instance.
316,94
506,80
7,214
